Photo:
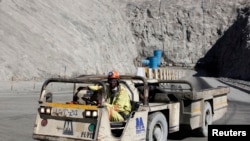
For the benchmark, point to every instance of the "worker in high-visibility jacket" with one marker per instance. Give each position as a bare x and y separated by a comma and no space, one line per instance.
118,99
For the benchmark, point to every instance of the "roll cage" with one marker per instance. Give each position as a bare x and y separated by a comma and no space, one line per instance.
95,79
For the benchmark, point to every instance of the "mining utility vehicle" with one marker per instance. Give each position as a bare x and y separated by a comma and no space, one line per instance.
69,111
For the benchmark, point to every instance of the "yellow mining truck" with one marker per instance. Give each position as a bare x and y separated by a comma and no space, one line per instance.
69,112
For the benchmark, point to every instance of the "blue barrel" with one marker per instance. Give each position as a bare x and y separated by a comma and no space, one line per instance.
145,62
158,54
153,62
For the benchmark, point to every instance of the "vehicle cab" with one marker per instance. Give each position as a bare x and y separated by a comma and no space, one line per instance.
69,111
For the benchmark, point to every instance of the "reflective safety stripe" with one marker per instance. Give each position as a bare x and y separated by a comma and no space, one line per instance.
61,105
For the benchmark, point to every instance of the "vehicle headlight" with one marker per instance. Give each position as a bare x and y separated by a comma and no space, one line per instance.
91,113
45,110
41,110
87,113
94,114
48,110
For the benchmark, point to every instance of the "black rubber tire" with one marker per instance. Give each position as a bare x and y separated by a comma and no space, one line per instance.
207,119
157,129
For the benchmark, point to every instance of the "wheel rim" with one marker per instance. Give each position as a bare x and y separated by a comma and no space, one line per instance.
157,133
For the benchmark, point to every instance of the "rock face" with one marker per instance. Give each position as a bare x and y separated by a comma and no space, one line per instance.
40,39
228,56
64,38
215,33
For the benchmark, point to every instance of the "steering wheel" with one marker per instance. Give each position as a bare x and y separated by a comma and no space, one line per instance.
89,101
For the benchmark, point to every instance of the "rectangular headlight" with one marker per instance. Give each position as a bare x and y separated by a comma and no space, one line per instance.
48,110
45,110
94,114
41,110
91,113
87,113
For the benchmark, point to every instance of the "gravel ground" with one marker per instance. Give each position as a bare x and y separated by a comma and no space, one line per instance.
239,84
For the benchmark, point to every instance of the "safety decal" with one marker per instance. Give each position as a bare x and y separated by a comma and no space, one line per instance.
139,126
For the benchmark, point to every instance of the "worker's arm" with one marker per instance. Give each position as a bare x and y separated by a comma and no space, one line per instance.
95,87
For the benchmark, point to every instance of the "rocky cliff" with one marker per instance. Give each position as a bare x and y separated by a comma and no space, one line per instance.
228,57
211,35
39,39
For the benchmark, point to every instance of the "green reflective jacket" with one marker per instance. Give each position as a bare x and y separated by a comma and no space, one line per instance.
121,100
